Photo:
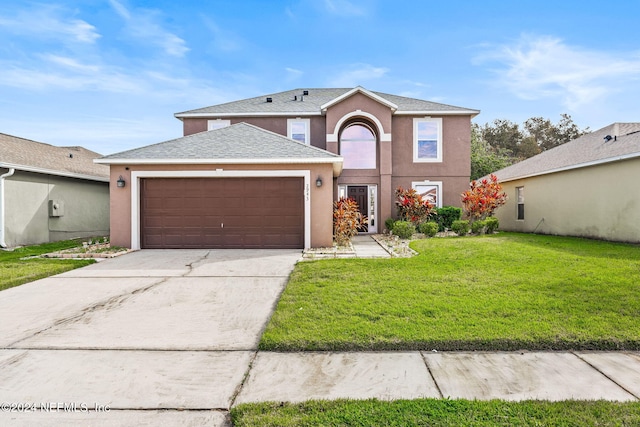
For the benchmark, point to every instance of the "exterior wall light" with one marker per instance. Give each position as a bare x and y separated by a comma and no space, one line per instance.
121,182
319,182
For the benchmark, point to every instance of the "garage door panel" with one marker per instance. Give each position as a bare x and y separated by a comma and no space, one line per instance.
254,202
256,212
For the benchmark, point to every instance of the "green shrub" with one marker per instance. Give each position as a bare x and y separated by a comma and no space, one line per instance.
477,227
403,229
492,224
445,216
388,223
429,228
460,227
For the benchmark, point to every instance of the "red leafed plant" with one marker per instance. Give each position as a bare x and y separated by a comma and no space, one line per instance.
483,198
346,220
411,206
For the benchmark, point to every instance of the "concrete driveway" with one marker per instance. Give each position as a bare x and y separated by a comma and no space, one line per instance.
162,337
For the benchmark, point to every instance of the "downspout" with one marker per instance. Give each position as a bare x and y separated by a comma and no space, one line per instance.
2,177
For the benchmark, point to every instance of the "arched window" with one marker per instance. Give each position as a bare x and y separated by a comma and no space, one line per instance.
358,147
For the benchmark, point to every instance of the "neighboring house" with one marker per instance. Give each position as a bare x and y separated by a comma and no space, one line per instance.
50,193
587,187
265,171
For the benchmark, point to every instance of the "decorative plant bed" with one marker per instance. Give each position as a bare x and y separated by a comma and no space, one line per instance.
97,250
342,251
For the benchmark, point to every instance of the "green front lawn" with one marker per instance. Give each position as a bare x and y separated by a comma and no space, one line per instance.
14,270
498,292
436,412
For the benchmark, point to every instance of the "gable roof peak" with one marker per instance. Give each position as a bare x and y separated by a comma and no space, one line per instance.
366,92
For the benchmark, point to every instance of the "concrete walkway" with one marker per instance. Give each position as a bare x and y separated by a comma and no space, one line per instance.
170,338
365,247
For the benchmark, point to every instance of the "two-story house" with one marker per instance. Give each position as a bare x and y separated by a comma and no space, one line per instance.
264,172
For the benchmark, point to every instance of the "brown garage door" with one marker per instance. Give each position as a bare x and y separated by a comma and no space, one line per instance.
222,213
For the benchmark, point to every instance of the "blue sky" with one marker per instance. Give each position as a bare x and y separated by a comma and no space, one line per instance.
110,74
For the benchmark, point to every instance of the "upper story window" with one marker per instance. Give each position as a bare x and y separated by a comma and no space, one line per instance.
298,129
358,147
217,124
427,140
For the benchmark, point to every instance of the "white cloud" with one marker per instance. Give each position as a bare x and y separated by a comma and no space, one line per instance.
120,9
293,72
222,39
70,63
546,67
142,25
49,21
357,74
80,80
344,8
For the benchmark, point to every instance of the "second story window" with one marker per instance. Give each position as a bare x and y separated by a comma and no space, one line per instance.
298,129
358,147
427,140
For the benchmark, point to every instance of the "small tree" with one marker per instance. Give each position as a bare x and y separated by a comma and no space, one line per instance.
411,206
483,198
346,220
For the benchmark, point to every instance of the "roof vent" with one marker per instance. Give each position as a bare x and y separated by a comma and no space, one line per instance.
295,97
608,138
269,99
305,92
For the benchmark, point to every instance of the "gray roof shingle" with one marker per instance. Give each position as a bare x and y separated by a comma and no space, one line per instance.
239,142
36,156
583,151
284,102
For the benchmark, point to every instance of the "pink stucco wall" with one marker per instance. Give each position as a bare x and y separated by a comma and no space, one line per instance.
395,165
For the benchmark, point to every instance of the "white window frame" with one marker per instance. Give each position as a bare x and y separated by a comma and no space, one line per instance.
416,122
375,147
217,124
520,202
372,203
307,127
438,184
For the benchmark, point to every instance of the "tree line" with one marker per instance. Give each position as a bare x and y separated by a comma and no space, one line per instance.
501,143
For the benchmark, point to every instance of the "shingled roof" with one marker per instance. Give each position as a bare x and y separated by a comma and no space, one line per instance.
239,143
615,142
32,156
295,102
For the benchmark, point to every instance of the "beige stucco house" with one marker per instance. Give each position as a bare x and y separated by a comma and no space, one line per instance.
264,172
587,187
50,193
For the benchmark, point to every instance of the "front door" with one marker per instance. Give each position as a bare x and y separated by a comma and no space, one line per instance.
360,194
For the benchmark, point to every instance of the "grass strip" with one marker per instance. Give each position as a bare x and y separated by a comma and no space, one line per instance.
437,412
498,292
17,268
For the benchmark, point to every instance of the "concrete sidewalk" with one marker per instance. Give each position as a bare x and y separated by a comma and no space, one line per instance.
295,377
